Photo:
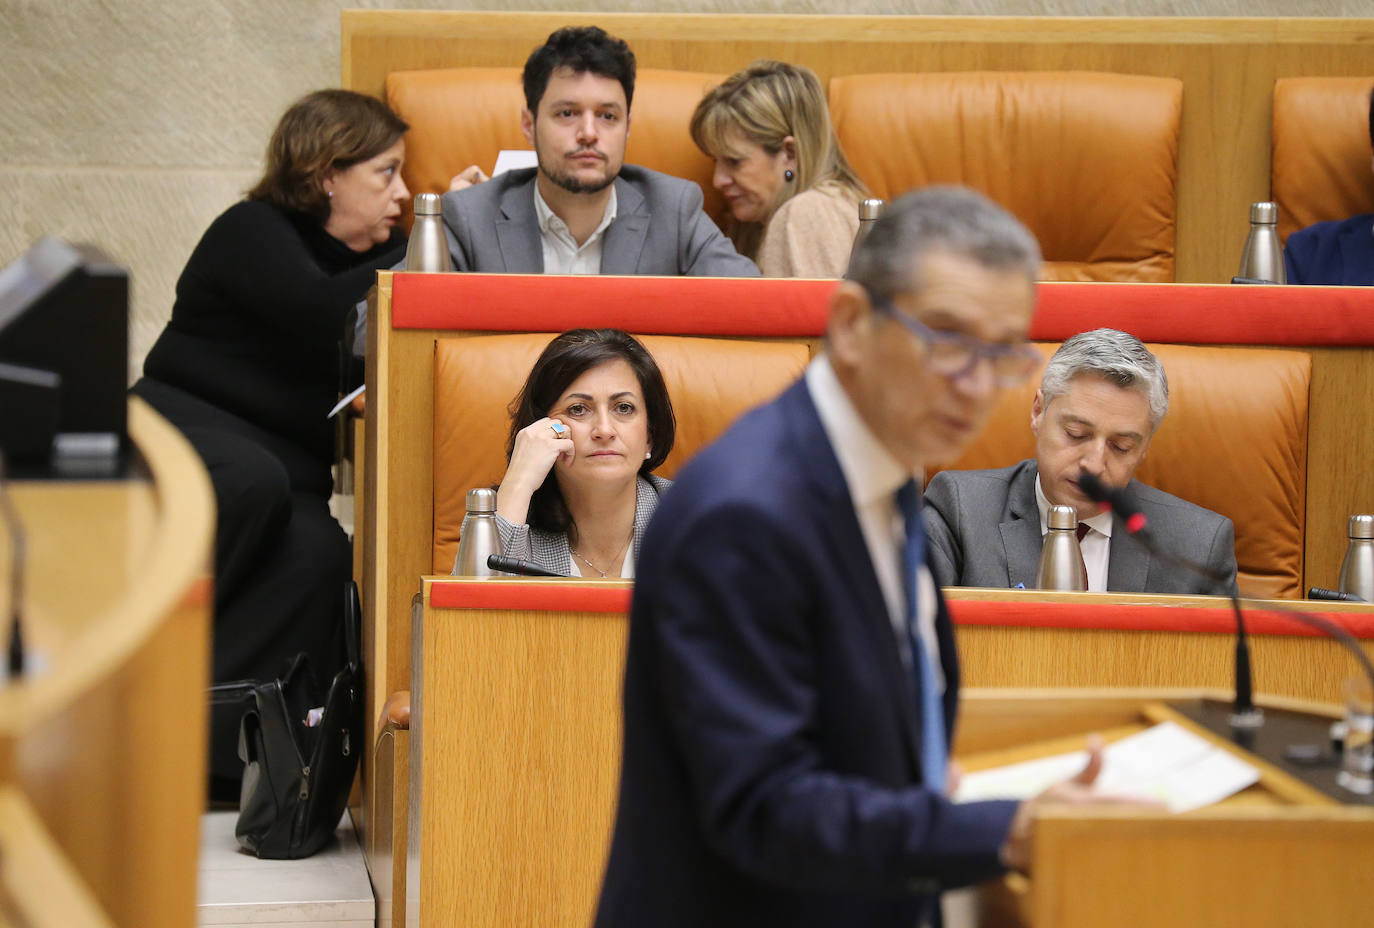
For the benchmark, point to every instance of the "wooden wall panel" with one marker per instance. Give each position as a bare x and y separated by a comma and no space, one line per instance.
1228,67
1340,466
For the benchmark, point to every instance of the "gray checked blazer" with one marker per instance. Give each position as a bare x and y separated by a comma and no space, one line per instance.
550,549
659,229
984,530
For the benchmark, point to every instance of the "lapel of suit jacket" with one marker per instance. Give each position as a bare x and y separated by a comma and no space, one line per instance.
1021,536
624,238
517,231
831,492
1128,563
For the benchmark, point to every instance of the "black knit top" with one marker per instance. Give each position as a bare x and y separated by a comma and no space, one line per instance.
258,317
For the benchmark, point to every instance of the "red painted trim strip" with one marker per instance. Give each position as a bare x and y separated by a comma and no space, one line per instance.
1196,314
1192,314
529,596
712,306
1219,620
561,596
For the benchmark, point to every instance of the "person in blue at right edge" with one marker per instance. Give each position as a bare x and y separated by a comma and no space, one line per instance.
1338,253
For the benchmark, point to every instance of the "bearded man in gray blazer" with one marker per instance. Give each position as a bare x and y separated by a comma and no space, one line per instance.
583,210
1101,398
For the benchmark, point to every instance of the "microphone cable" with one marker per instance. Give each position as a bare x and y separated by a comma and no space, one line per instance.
14,656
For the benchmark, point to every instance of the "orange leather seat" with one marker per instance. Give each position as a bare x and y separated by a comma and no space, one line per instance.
710,380
463,116
1234,442
1088,161
1321,168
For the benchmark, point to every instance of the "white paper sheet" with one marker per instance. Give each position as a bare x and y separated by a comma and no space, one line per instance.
1166,762
345,401
510,159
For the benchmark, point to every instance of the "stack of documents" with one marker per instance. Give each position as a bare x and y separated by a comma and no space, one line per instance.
1167,763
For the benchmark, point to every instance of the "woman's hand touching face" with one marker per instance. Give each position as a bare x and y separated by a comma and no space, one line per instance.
538,446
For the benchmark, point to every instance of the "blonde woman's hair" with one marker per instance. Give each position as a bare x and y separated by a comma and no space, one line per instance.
765,103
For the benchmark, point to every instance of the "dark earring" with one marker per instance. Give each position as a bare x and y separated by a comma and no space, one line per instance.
787,175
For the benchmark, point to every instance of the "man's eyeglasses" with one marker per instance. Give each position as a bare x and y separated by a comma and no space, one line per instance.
954,354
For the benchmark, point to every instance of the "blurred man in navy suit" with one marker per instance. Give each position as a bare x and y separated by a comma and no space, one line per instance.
792,683
1338,253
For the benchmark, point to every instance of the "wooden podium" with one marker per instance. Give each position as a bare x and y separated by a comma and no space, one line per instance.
1280,853
514,751
102,742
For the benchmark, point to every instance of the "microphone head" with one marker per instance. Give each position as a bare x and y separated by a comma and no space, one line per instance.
1111,498
1092,485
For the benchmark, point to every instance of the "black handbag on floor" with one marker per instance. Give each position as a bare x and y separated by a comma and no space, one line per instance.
300,752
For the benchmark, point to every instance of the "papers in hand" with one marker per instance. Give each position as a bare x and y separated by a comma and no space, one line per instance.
1166,762
345,401
510,159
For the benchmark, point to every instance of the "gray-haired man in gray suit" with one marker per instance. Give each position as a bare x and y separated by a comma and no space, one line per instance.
583,210
1101,398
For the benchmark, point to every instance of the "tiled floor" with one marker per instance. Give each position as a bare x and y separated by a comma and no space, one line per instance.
328,890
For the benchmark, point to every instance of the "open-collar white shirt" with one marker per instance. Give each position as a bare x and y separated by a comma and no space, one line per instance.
873,477
562,254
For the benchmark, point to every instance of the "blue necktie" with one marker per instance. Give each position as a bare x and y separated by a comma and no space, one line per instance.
934,753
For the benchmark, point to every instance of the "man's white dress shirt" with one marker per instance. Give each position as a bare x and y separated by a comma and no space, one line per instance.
873,477
562,254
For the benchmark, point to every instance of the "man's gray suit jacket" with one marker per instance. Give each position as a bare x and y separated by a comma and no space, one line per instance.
659,229
984,530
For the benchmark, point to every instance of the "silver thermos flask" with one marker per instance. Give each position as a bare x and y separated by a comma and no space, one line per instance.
1263,257
1357,570
480,539
869,211
1061,560
427,249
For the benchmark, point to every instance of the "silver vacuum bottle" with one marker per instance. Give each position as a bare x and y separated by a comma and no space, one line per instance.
427,249
1357,570
479,538
1061,560
1263,256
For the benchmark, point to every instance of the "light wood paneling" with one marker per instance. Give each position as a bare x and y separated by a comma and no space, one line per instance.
1340,467
38,886
1220,868
1227,65
386,835
1297,667
398,497
521,759
107,744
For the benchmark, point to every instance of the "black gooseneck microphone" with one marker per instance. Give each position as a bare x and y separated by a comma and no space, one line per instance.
1113,498
514,565
1244,714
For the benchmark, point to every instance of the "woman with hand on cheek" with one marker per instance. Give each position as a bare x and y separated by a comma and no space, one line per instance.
591,423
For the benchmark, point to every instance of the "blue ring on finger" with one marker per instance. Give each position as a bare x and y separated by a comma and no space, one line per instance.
559,429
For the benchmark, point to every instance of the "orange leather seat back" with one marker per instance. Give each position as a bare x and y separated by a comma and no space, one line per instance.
1088,161
463,116
711,381
1321,168
1234,442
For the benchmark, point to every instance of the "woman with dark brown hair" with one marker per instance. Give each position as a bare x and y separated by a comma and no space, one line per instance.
590,425
248,368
